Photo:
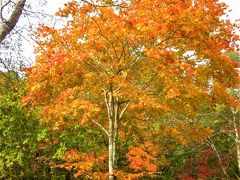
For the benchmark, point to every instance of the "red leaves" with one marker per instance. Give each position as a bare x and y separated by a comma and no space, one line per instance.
27,70
202,167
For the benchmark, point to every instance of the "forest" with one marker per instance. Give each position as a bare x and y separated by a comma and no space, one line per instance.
120,89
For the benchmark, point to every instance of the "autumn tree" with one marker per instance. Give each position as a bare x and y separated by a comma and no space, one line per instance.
124,65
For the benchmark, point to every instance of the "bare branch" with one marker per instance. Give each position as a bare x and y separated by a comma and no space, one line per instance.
124,110
2,7
212,145
110,5
100,126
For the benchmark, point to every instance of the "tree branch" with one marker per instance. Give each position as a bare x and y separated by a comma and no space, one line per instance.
124,110
7,26
100,126
212,145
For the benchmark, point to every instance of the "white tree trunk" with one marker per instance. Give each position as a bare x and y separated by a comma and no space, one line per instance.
111,149
114,115
115,131
237,140
111,153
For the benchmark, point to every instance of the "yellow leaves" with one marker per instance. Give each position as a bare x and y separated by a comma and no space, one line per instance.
149,102
35,87
172,93
89,76
185,134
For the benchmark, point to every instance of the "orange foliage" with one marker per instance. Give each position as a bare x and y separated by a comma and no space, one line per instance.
185,134
79,161
82,163
139,53
141,50
143,158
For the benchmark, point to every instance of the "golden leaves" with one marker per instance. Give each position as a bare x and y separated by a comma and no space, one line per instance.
185,134
172,93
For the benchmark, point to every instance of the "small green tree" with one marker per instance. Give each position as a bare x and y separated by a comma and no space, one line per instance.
18,129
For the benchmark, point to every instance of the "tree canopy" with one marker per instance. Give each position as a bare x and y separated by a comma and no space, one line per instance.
125,66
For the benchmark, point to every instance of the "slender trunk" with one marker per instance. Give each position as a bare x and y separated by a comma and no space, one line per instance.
115,132
111,149
219,157
111,152
114,115
237,140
